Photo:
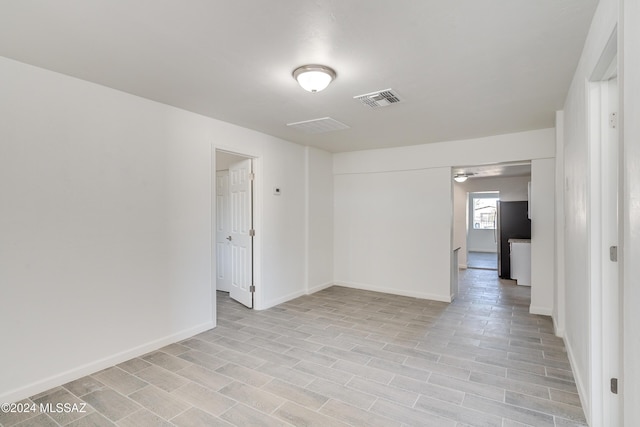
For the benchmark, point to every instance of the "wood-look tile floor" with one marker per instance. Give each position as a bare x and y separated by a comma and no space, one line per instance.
343,357
482,260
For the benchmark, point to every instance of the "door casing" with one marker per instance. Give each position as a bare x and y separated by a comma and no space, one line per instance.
605,347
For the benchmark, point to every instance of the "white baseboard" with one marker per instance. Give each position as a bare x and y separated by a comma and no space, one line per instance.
293,295
577,375
462,266
95,366
276,301
544,311
558,330
393,291
314,289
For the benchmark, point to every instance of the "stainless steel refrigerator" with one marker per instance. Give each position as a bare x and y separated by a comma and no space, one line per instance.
512,223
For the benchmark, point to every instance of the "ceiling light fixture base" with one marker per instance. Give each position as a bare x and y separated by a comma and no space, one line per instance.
462,177
313,77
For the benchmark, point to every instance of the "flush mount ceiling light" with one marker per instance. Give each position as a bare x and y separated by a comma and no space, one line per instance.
314,78
461,177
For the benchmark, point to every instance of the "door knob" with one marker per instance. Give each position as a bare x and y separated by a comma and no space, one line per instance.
229,238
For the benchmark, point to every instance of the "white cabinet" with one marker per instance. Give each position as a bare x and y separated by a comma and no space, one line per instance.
520,258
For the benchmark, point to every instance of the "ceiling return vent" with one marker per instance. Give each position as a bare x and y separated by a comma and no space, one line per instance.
381,98
322,125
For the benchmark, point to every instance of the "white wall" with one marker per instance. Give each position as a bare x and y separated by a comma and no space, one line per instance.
630,38
578,313
460,212
394,209
575,176
511,189
479,151
106,225
320,225
542,236
281,228
392,232
482,241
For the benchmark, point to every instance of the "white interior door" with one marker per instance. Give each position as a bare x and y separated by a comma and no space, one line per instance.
223,232
241,239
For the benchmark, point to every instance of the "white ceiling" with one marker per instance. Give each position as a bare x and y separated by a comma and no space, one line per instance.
463,68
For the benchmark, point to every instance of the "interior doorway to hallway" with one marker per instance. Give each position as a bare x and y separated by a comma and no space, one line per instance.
234,226
503,182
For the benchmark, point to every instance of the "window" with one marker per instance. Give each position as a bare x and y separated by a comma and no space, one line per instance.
484,210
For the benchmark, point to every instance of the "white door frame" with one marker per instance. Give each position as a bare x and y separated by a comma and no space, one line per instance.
605,279
223,248
257,223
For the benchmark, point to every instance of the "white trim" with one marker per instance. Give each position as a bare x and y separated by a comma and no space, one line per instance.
544,311
97,365
582,391
212,248
557,329
258,192
393,291
307,212
294,295
630,239
277,301
317,288
246,152
559,316
594,245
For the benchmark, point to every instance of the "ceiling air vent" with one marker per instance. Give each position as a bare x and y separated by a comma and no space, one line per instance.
325,124
381,98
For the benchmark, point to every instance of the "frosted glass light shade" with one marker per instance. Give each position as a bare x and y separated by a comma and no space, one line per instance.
314,78
460,178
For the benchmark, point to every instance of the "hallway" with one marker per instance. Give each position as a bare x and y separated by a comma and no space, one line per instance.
482,260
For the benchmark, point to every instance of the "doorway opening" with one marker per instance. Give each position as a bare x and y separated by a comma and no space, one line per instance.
234,226
604,210
476,231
